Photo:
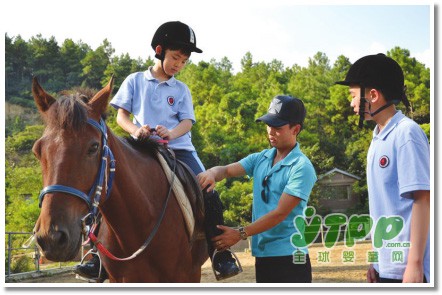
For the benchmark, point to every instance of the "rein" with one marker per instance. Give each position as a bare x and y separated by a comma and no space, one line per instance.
94,196
106,252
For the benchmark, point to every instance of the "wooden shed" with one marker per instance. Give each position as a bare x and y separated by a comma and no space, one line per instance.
336,190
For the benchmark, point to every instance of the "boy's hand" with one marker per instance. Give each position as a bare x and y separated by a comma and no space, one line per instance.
163,132
143,132
414,273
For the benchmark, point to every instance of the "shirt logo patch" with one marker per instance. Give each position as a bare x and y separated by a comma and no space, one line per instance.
384,161
171,100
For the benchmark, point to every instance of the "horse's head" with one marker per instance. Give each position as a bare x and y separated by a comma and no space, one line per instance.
69,153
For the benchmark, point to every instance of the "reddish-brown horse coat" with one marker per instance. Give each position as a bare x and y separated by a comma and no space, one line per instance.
69,152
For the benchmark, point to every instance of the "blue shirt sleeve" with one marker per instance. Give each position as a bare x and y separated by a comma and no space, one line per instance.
249,162
301,180
186,107
124,97
413,161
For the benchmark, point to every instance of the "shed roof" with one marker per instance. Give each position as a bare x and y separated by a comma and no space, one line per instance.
336,170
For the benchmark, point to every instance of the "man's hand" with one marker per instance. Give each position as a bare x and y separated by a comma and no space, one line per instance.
228,238
206,180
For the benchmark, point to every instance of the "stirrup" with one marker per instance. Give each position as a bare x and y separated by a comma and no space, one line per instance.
100,279
217,274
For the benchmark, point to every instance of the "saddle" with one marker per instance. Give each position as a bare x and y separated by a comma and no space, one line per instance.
187,191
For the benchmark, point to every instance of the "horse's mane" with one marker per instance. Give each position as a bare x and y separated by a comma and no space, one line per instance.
70,110
144,146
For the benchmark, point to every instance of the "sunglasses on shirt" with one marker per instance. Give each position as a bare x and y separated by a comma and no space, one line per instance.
264,197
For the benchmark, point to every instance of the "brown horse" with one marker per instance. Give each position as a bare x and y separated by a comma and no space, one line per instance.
71,152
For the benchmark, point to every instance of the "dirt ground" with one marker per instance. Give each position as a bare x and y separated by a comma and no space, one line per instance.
327,268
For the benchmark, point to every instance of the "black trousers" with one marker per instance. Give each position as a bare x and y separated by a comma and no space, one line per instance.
212,205
281,269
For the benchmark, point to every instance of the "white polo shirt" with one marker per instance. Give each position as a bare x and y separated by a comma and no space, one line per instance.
157,103
398,163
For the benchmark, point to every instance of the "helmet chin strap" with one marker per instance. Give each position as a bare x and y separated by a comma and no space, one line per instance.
380,109
362,103
362,111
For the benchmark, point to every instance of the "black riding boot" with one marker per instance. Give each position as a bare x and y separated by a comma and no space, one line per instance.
224,263
91,270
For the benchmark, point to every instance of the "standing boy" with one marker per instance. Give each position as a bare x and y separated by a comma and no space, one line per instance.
398,169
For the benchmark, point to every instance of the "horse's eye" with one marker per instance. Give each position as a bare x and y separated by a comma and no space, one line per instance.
93,149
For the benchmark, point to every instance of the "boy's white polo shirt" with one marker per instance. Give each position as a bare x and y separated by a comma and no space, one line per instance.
398,163
157,103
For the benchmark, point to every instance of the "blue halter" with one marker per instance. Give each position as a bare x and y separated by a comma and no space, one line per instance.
93,198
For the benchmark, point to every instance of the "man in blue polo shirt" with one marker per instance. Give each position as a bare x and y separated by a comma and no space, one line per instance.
283,179
398,170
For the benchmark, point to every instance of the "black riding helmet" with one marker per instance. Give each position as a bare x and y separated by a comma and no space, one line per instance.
381,72
177,34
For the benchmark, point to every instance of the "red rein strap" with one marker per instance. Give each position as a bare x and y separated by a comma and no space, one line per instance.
106,252
153,132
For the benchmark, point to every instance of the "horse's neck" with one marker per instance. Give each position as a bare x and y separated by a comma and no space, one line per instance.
133,169
137,186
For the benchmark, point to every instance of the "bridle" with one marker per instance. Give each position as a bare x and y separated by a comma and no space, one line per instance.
103,179
89,224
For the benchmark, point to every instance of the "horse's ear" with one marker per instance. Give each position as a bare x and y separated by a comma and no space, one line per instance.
100,100
42,99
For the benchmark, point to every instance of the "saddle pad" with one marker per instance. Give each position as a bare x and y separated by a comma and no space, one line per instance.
180,195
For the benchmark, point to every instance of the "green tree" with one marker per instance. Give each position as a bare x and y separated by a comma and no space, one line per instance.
23,185
71,55
121,66
17,70
417,81
46,63
311,84
94,65
226,107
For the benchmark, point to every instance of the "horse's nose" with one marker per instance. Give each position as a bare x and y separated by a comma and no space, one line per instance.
60,238
54,240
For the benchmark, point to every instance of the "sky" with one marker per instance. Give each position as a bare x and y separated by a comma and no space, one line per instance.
291,31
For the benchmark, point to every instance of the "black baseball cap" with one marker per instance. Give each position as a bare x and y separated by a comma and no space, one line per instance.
284,110
175,33
378,71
